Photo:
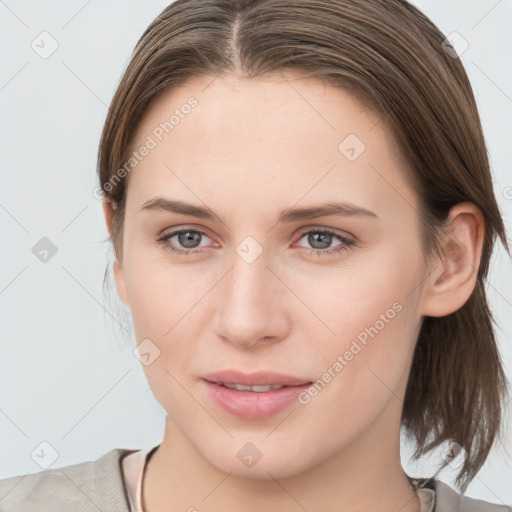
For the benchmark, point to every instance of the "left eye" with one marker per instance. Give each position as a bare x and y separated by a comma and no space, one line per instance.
188,239
325,240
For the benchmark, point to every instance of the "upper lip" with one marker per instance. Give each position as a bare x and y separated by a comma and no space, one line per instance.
261,378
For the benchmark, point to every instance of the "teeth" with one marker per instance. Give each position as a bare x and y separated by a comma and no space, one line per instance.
257,389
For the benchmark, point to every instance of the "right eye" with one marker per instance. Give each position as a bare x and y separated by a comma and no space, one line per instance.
186,238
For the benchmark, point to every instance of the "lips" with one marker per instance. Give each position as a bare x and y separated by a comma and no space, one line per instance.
262,378
253,396
252,405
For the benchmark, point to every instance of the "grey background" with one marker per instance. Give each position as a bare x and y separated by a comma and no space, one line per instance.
68,374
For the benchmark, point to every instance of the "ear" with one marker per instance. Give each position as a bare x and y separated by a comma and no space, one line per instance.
452,280
109,211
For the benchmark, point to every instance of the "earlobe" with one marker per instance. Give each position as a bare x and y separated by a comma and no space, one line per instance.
453,278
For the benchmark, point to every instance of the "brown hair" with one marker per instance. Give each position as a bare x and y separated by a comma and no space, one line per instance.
391,57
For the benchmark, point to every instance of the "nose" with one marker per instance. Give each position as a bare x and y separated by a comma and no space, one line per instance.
252,304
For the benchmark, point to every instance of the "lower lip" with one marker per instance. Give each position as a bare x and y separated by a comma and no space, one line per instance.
252,405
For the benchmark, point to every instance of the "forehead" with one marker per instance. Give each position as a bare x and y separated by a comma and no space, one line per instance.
277,136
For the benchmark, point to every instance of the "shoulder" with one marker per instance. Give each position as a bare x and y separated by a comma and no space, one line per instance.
448,500
88,486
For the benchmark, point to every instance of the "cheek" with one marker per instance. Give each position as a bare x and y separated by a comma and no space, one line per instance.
368,311
167,305
160,293
162,309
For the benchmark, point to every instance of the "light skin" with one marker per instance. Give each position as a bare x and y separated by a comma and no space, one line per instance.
249,149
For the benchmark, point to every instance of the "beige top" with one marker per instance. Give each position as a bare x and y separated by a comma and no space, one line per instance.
135,463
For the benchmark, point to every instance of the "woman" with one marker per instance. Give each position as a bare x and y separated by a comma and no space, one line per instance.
302,213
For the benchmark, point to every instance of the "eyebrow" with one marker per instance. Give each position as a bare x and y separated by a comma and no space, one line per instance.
338,209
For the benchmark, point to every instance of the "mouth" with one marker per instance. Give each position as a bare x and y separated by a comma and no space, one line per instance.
254,396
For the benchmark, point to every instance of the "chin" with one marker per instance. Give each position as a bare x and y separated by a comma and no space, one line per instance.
261,460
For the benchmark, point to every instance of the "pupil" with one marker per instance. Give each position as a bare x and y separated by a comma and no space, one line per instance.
187,239
323,239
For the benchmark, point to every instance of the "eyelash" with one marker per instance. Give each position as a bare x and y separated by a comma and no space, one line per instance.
348,243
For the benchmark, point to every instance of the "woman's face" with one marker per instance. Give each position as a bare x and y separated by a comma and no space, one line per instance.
258,287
